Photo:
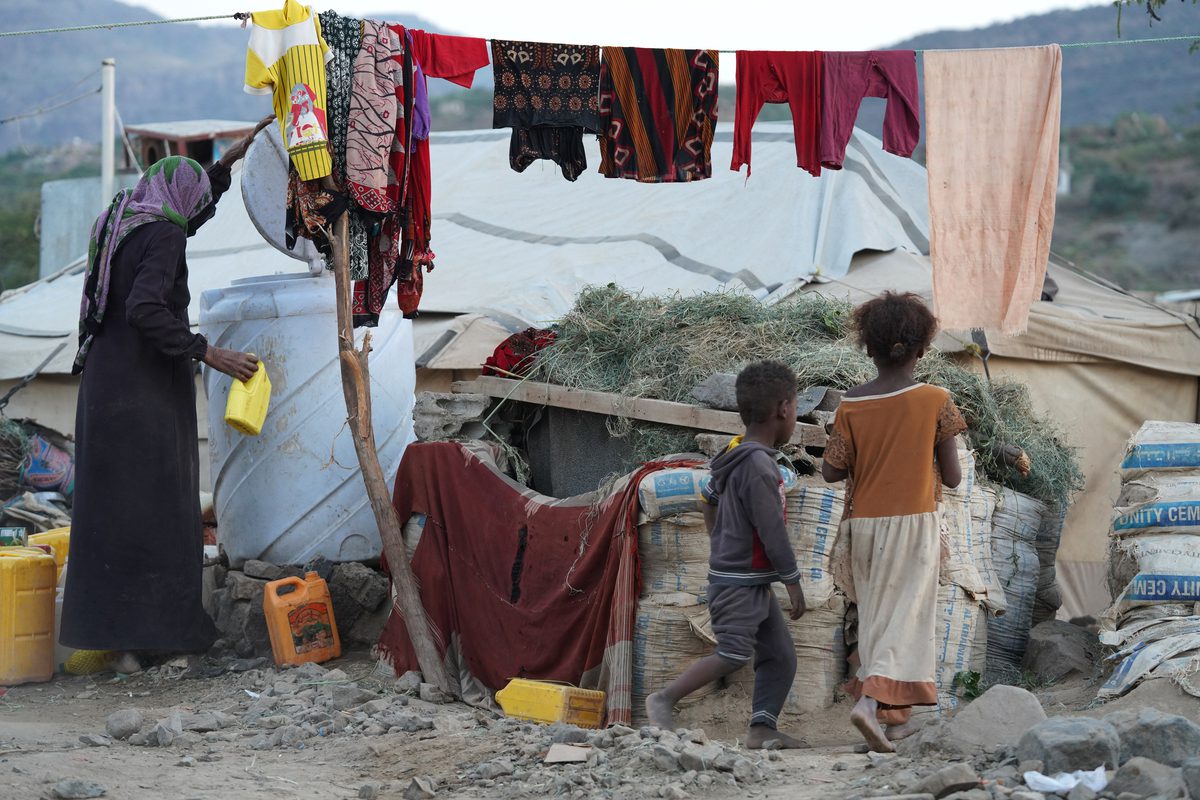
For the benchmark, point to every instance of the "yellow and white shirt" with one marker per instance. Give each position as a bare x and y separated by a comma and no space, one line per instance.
287,57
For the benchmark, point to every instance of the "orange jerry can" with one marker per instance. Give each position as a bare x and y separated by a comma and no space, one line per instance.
301,622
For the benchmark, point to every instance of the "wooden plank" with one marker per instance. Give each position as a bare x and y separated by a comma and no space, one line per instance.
645,409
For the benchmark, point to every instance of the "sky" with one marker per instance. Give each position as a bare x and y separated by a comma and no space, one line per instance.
740,24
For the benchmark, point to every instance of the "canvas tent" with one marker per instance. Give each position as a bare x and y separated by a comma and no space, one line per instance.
514,250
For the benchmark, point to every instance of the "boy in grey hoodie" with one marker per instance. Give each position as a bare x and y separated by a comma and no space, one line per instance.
749,550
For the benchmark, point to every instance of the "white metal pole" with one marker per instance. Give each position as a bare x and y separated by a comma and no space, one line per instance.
108,128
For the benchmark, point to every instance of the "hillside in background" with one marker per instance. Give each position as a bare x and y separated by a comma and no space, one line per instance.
1102,83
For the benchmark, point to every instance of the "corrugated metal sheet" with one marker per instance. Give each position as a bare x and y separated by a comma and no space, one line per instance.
68,209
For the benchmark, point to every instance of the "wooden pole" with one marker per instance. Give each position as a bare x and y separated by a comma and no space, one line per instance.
356,385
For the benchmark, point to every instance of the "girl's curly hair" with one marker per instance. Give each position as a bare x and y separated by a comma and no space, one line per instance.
893,328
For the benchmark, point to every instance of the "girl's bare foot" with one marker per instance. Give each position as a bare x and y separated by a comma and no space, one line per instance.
761,735
863,717
895,733
661,711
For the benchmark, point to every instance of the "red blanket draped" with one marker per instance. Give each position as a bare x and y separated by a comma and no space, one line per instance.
529,586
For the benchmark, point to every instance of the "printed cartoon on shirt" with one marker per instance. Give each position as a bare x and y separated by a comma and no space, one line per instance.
306,122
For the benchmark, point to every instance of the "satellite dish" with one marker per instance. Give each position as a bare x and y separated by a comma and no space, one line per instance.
264,191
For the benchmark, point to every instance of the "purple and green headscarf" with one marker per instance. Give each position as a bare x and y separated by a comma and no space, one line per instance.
175,190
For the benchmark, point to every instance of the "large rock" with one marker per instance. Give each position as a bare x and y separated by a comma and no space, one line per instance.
264,571
947,781
1142,777
124,723
241,623
242,587
1000,717
369,627
1065,744
438,416
1191,776
1057,649
1166,738
717,391
367,587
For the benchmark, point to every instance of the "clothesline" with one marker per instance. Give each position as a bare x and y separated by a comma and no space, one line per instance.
241,16
44,109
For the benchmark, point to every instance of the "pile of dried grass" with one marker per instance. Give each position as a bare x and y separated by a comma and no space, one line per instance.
640,346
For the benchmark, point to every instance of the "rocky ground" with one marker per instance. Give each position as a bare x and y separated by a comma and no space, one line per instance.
348,729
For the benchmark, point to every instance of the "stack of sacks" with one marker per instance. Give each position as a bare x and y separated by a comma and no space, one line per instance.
1015,526
968,582
673,626
1048,598
1155,560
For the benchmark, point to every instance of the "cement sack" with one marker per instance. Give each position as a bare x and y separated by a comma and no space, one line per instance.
1144,631
1048,599
961,641
665,643
814,512
984,500
1168,571
820,641
1140,660
1015,526
674,549
674,555
678,491
1158,502
961,536
1160,447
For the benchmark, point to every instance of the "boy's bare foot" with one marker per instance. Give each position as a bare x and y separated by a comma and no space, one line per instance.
895,733
661,711
863,717
761,735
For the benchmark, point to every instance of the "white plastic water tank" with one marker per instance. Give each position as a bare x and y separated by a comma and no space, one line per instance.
295,491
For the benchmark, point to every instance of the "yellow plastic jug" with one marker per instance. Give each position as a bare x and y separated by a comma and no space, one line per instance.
542,701
301,622
27,583
59,540
246,408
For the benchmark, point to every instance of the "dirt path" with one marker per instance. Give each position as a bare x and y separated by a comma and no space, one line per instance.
452,746
41,726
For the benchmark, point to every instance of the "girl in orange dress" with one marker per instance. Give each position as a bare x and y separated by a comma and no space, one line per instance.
893,442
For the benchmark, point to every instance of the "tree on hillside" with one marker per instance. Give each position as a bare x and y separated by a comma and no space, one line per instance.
1152,8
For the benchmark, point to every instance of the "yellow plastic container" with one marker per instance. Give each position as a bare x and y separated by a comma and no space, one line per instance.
246,408
541,701
59,539
27,583
301,622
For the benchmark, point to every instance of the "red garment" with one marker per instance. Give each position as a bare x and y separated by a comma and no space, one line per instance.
849,77
516,354
455,58
502,574
779,77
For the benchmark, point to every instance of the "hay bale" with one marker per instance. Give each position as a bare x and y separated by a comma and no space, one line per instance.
663,347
